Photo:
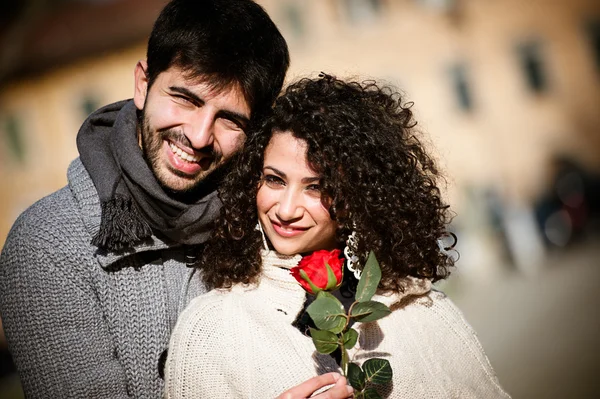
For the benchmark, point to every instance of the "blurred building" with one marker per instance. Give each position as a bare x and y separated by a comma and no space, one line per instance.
500,87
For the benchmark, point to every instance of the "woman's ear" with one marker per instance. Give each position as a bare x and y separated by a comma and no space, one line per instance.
141,84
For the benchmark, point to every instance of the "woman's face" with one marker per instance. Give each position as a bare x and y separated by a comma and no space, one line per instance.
289,200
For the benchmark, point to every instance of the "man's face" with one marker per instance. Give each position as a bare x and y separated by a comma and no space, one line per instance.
187,129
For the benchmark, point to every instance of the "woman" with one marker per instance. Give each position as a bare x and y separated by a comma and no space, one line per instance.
335,160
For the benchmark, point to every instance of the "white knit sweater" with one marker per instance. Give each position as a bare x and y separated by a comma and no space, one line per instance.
240,343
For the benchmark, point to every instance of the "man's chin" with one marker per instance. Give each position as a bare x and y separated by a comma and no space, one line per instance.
178,184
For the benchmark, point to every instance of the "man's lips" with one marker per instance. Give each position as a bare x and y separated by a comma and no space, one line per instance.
287,230
185,161
183,154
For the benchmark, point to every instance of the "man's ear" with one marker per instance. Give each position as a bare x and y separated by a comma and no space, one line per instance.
141,84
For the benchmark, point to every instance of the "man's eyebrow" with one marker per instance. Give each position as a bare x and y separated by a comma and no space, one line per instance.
187,92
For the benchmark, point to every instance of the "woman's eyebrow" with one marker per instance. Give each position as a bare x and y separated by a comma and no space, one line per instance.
304,180
277,171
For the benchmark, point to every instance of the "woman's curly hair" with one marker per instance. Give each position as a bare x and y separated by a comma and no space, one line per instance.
377,180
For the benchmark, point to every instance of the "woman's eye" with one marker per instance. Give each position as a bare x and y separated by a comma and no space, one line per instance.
273,181
314,189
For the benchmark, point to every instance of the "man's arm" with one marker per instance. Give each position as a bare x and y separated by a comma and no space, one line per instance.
53,323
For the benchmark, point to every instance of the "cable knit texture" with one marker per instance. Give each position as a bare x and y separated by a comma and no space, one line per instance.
240,343
81,324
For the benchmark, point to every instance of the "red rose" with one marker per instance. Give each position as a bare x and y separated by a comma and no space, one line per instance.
312,273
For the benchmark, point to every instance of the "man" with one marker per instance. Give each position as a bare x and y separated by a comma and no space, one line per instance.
92,277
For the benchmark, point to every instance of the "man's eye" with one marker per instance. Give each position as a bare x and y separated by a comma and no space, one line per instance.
231,124
273,181
183,100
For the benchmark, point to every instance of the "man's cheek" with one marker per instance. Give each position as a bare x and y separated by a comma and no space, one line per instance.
232,144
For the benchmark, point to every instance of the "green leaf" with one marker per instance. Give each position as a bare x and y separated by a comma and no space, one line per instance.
369,279
378,371
325,341
328,313
356,377
371,393
369,311
350,337
313,287
331,279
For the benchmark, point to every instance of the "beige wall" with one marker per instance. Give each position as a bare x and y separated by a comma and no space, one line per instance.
503,143
50,111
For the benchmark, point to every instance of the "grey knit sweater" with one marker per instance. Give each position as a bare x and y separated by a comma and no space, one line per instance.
80,324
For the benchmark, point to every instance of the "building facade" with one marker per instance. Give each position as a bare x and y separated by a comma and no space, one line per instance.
499,87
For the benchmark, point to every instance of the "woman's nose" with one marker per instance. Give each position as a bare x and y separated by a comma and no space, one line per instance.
290,206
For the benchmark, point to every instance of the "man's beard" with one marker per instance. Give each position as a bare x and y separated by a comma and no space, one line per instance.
152,147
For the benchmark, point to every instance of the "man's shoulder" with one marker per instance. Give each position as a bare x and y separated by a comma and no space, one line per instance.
62,213
47,225
49,213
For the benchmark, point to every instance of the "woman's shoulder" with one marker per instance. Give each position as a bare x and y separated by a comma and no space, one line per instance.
433,313
432,329
214,301
426,301
206,320
218,307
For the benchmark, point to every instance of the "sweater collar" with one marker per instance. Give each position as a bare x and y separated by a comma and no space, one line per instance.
286,293
275,259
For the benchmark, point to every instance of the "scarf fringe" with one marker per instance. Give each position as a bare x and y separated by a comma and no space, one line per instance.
121,225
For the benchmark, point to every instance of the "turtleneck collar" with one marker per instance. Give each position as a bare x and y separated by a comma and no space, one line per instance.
274,258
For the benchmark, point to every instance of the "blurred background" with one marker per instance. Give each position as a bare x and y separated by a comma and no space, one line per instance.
507,93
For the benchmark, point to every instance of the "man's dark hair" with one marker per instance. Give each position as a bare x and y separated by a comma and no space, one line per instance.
224,43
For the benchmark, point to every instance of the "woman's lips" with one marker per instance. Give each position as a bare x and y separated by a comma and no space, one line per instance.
287,231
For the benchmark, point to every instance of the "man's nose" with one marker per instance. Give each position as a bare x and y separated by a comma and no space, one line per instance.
202,134
290,205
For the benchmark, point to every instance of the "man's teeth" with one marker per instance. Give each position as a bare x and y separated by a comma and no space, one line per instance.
182,154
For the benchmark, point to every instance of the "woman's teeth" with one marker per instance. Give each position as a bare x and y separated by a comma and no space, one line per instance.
182,154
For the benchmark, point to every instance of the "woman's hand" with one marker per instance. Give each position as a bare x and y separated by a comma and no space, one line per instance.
338,391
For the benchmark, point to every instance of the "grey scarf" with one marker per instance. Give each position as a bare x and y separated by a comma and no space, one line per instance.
134,205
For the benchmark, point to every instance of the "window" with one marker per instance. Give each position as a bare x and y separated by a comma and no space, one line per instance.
294,19
13,138
462,90
443,5
593,32
532,64
89,104
362,10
